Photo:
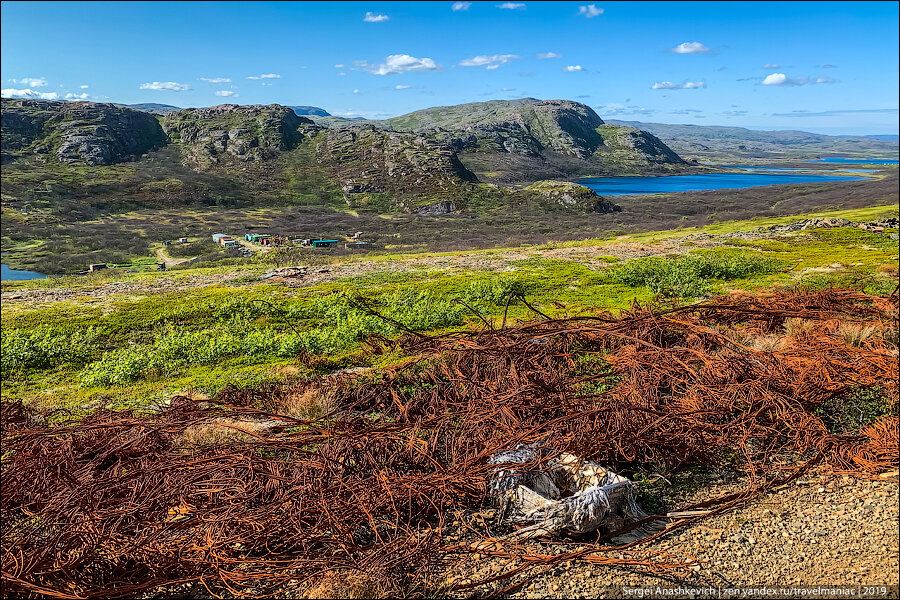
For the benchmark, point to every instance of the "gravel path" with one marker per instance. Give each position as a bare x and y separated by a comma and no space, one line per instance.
819,530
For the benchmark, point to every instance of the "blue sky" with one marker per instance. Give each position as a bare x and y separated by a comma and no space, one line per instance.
829,67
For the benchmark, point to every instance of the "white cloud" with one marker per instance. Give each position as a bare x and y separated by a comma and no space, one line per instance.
488,61
668,85
398,63
73,96
511,5
265,83
84,87
28,93
824,79
165,85
546,55
31,82
342,74
782,79
771,66
590,11
401,87
227,93
573,68
373,18
355,91
690,48
338,66
460,6
265,76
215,79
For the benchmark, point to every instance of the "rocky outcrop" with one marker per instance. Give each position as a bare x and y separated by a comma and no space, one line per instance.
370,160
78,132
530,127
244,133
437,209
571,196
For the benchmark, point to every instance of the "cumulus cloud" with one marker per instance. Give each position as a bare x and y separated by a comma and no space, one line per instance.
783,80
398,63
373,18
227,93
617,109
771,66
401,87
215,79
338,66
573,68
84,87
668,85
511,5
488,61
31,82
165,85
28,93
72,96
824,79
546,55
355,91
456,6
590,11
690,48
265,76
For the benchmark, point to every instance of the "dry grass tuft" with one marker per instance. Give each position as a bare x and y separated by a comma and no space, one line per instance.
204,435
286,370
346,586
889,270
307,403
795,327
856,333
768,343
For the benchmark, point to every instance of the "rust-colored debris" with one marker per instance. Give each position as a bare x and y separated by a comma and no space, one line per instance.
116,504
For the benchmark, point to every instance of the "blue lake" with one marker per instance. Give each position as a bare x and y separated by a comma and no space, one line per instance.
633,186
7,274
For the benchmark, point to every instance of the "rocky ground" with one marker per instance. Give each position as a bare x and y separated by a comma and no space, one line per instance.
819,530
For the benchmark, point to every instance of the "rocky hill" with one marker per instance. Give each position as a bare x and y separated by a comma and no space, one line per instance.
246,133
432,161
77,132
517,141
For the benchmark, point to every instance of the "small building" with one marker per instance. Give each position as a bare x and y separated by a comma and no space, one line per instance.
182,240
218,236
161,266
323,243
96,267
356,245
263,239
227,242
167,242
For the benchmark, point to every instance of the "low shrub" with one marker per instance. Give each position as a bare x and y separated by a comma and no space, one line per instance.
691,275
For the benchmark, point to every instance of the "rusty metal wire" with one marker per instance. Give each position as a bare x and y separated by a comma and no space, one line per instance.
116,504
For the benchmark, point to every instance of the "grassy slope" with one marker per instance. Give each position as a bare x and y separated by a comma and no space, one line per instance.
132,350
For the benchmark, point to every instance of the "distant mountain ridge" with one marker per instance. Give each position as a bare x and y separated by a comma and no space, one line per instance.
706,140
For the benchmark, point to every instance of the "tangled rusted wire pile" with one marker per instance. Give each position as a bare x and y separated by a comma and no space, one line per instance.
116,503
